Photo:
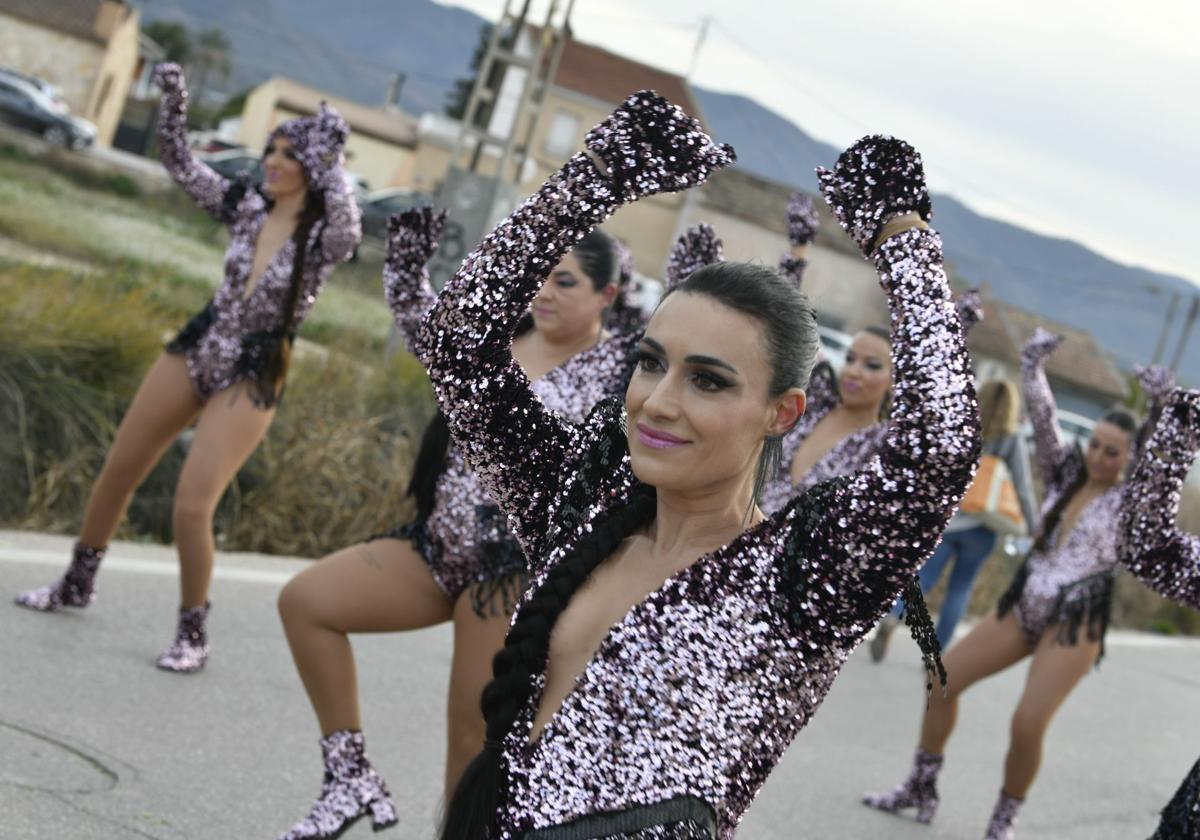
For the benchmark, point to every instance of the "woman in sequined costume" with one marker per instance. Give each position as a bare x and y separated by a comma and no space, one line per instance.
1161,555
969,542
456,561
674,640
1055,611
225,369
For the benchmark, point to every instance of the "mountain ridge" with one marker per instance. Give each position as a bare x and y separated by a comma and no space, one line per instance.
356,54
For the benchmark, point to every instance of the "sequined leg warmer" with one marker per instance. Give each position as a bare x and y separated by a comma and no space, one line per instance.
351,790
189,651
77,588
918,791
1004,818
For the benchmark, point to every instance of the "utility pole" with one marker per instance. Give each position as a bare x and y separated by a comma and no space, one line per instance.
1187,331
700,38
1162,336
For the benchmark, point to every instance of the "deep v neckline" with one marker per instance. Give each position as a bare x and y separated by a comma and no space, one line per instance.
1062,540
528,740
251,284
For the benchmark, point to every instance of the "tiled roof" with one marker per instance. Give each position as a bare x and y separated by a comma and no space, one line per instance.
1079,360
596,72
73,17
391,126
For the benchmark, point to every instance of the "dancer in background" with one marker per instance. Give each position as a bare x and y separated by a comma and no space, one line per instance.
674,641
456,561
802,226
1055,611
226,368
969,541
1161,555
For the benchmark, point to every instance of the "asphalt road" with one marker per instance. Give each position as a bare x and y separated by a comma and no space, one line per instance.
95,743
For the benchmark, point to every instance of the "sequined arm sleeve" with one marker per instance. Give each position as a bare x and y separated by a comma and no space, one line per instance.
880,524
412,240
695,248
198,180
341,230
822,390
1161,555
518,449
1049,448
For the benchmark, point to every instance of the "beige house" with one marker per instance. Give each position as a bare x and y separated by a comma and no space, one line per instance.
86,48
383,141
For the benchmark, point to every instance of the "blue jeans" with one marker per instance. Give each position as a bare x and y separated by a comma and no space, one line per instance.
969,548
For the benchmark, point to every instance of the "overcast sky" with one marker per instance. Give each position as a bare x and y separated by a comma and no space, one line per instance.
1079,118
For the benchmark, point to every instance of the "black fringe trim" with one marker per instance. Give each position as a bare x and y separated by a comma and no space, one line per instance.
259,349
686,818
1084,604
1012,595
194,330
924,633
1181,817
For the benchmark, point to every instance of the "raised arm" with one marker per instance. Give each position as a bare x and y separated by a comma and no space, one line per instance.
1163,557
695,248
319,143
198,180
519,450
868,534
1049,448
969,306
802,226
411,240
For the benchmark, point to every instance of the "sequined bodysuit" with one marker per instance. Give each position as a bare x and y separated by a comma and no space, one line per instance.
692,698
1069,584
465,540
1164,557
231,338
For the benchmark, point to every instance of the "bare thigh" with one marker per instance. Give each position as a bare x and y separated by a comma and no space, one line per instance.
227,433
382,586
993,645
476,642
1055,671
164,405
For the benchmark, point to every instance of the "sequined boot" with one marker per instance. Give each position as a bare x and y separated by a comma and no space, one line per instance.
1004,818
77,588
189,651
351,790
918,791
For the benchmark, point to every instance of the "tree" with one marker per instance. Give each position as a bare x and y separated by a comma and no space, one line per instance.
210,62
457,96
172,37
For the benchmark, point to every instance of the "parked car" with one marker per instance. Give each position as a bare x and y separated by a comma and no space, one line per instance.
380,204
834,344
233,162
28,105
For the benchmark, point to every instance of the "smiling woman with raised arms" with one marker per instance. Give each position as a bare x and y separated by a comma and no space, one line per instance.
226,368
674,640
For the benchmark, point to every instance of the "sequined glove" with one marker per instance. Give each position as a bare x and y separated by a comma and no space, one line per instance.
1040,346
1157,381
970,308
1184,404
695,248
802,219
412,239
650,146
873,182
168,77
324,156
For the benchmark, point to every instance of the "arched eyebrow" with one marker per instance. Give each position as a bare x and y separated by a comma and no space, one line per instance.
695,359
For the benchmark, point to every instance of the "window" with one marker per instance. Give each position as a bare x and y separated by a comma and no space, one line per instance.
562,135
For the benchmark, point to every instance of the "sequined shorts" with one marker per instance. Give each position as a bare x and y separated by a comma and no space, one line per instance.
1083,604
494,582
